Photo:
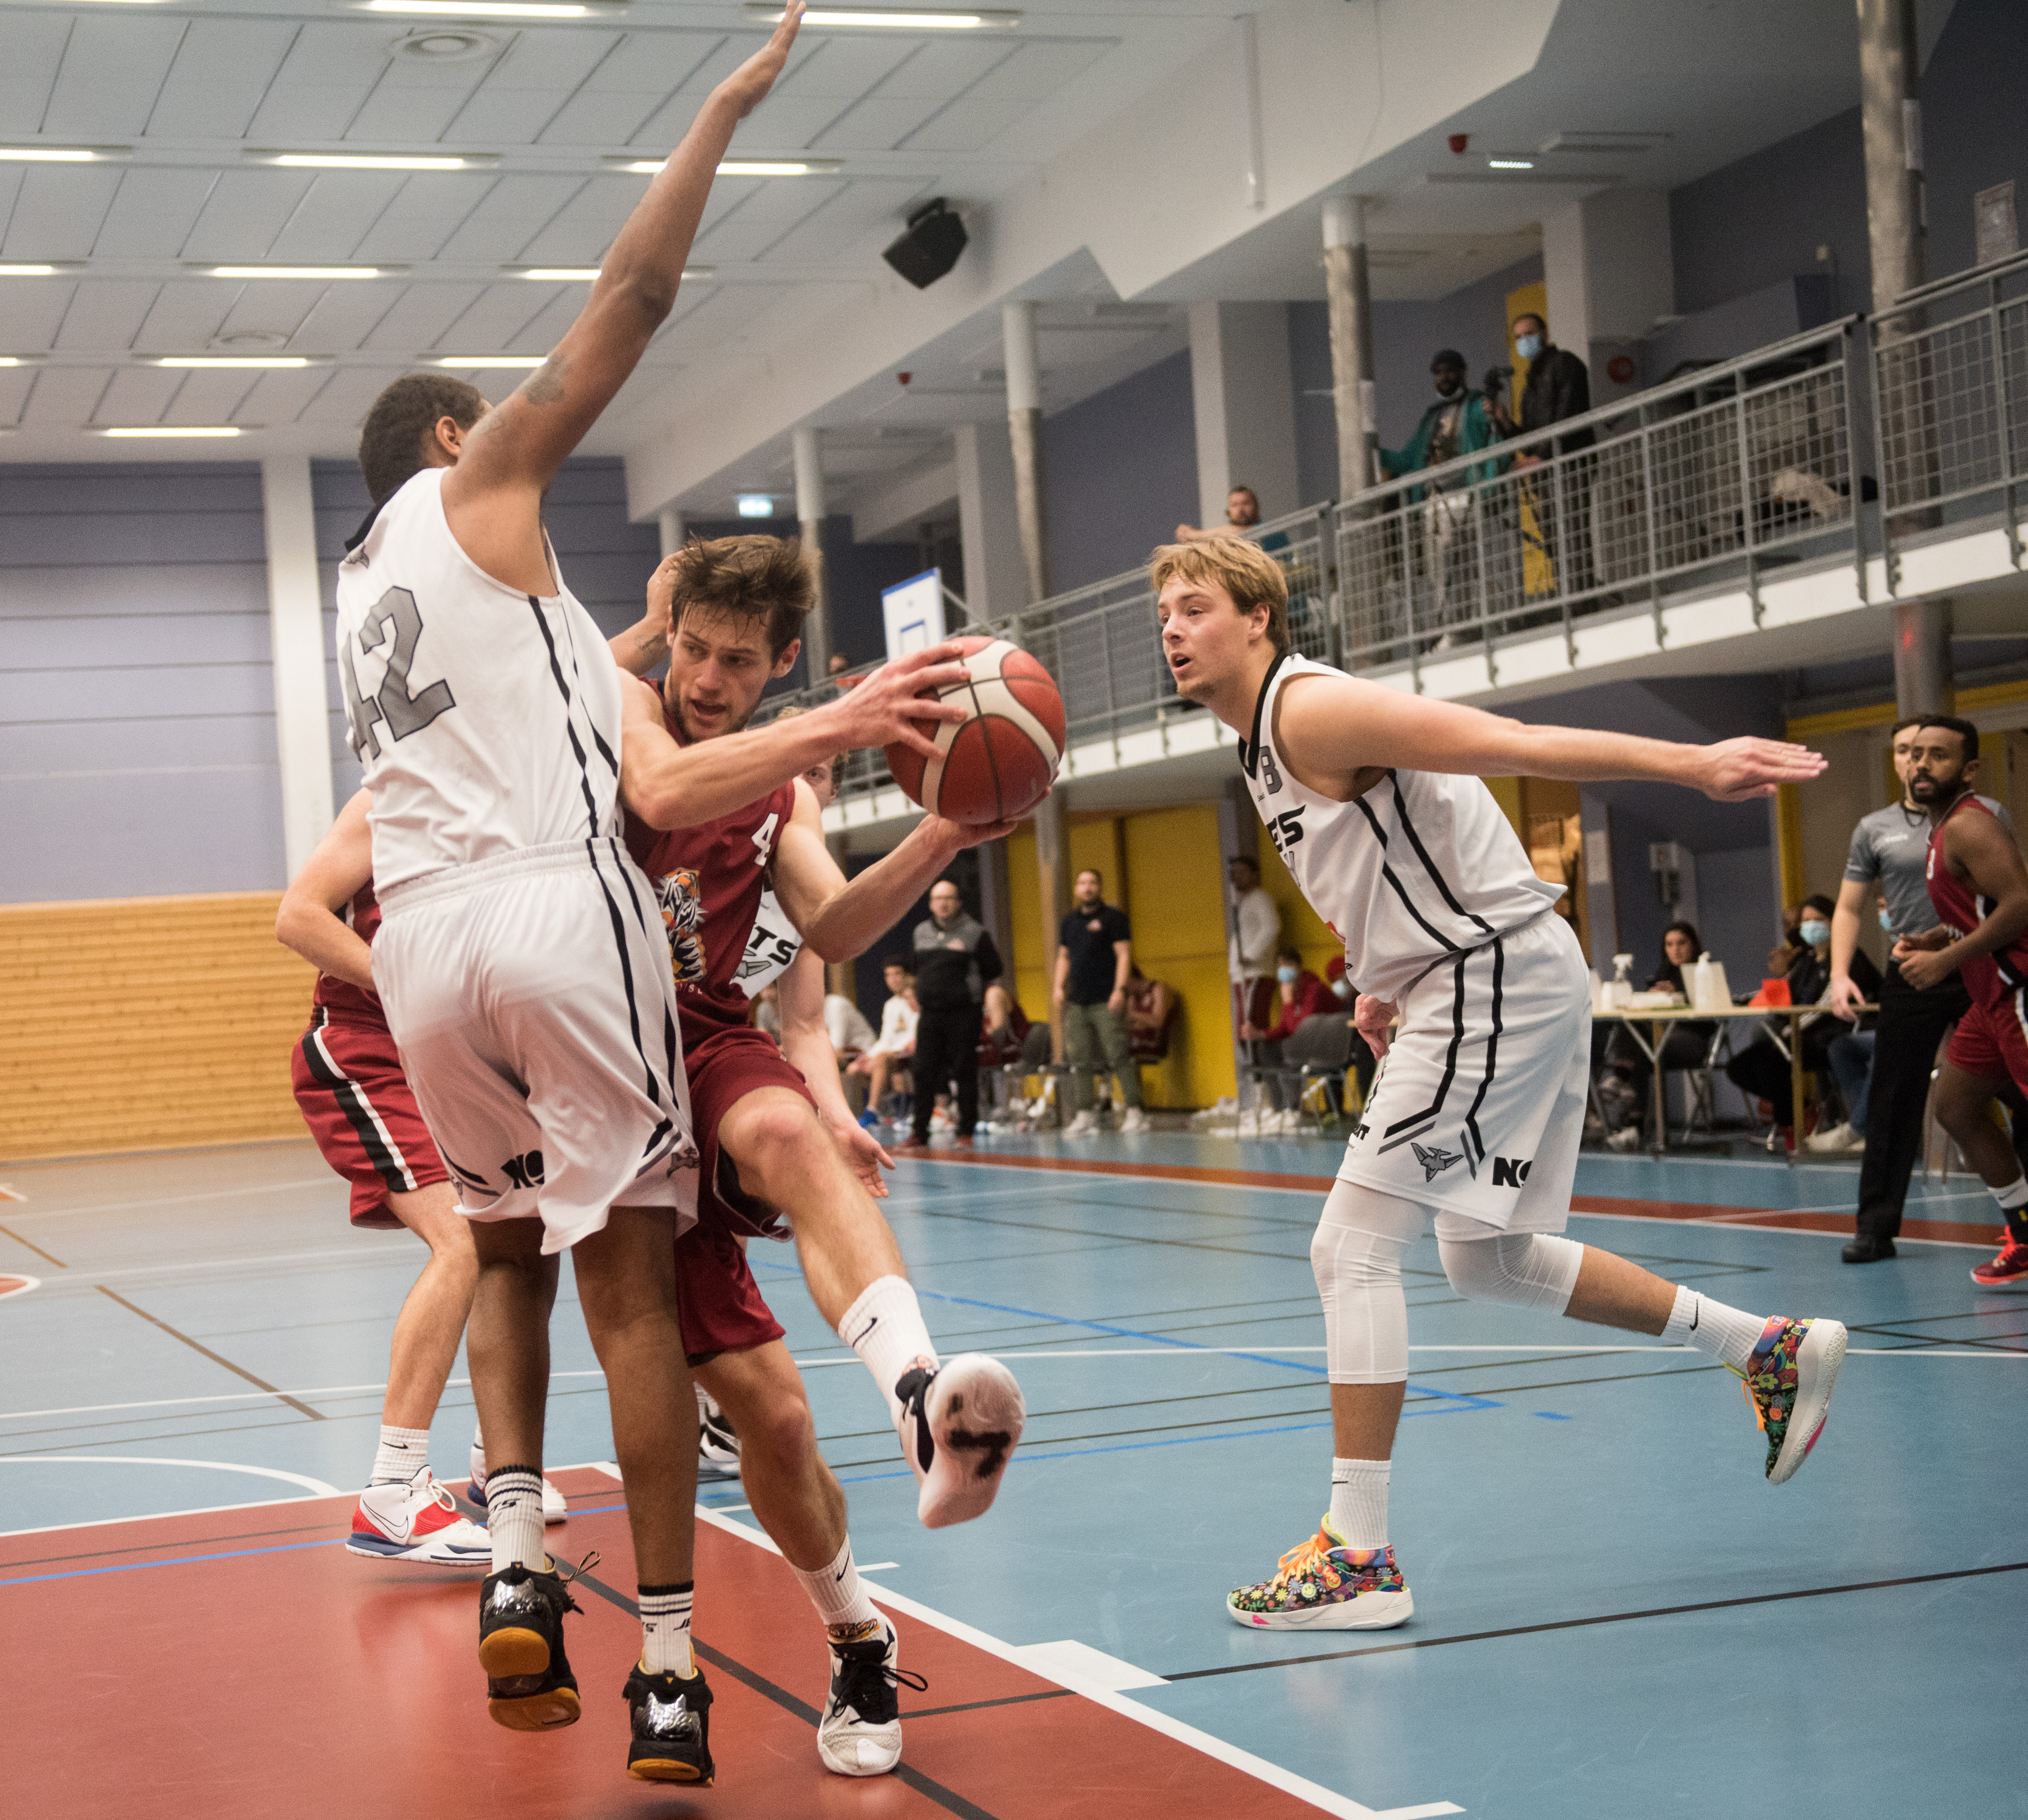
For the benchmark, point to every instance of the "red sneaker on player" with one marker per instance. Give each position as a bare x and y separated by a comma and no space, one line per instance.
2007,1271
415,1521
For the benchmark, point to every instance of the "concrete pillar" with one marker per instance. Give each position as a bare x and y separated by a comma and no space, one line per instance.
669,522
1350,297
295,638
1891,123
995,907
1924,680
989,527
1609,272
1243,395
1052,857
1024,429
810,521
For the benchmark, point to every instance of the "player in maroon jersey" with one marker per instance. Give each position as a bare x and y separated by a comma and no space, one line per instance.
1980,889
736,606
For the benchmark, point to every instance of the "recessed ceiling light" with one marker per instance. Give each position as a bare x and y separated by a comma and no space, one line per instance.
756,505
232,360
372,162
428,44
966,21
152,431
494,9
585,274
296,271
1510,163
63,154
473,361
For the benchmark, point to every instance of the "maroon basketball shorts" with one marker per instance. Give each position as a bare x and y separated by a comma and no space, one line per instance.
721,1304
1992,1040
356,1100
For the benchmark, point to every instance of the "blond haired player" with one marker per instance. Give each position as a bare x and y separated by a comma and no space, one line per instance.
1372,798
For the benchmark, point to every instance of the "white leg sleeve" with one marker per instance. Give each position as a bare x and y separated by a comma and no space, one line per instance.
1531,1270
1356,1255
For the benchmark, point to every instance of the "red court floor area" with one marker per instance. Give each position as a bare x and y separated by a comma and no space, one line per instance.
240,1663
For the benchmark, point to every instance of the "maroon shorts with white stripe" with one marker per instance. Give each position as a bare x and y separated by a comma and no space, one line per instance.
1992,1040
356,1100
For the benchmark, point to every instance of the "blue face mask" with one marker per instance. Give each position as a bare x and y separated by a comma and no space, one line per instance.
1287,975
1887,919
1528,347
1815,933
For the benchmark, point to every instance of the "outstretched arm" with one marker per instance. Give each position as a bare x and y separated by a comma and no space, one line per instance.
1333,727
339,867
1984,854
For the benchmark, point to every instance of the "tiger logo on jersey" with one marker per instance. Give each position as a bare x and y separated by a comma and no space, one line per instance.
682,899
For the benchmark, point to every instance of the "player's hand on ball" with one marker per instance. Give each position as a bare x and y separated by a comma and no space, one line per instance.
1735,770
887,708
959,835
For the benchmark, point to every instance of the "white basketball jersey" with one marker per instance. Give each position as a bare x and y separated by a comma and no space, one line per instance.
774,942
487,720
1422,865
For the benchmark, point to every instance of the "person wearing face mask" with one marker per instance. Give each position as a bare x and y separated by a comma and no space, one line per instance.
1558,387
1889,850
1458,423
1303,995
1761,1070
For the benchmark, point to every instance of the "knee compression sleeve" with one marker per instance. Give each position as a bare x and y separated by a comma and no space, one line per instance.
1531,1270
1356,1255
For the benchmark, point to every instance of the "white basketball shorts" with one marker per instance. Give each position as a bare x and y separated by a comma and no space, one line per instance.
534,1004
1479,1105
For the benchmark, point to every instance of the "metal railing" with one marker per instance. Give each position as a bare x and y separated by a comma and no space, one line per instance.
1698,482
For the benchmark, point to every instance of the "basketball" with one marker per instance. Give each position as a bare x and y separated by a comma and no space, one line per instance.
998,764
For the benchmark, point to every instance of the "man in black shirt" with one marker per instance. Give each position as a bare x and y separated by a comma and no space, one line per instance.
955,959
1094,960
1558,387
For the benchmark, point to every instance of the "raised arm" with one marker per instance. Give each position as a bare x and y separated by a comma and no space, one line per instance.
1984,855
1331,728
646,643
339,867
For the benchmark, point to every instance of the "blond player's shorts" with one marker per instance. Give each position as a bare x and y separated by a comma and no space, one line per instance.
1478,1106
534,1003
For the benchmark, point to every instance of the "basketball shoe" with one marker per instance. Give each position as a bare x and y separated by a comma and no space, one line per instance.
671,1740
417,1521
529,1686
1324,1585
554,1509
2009,1271
961,1424
718,1444
1789,1379
861,1731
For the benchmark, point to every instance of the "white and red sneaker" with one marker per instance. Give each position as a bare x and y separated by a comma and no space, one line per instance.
554,1509
961,1424
417,1521
2009,1271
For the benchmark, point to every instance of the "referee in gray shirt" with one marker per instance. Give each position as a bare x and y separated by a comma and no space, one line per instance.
1890,848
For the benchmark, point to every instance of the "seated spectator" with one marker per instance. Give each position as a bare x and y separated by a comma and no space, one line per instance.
1003,1028
1760,1069
1303,995
1625,1080
851,1036
1151,1009
766,1013
896,1043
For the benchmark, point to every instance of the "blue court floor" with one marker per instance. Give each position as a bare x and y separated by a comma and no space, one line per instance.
1615,1614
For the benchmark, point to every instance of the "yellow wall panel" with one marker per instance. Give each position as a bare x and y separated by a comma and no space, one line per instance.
144,1023
1175,896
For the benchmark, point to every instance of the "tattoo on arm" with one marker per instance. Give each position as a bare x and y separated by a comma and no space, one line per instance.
547,386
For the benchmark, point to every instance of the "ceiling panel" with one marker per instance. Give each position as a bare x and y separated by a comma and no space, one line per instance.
64,395
849,221
345,401
425,213
14,384
415,100
269,305
420,316
282,397
153,213
491,321
107,316
325,78
345,315
968,124
244,212
31,48
938,71
187,314
209,397
510,215
219,76
844,67
629,86
779,204
31,310
334,217
878,124
543,330
787,123
112,71
581,234
523,90
137,395
57,211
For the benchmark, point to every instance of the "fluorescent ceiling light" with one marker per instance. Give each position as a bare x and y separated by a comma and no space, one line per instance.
208,362
967,21
1510,163
477,360
493,9
153,431
366,161
20,360
295,271
62,154
740,167
756,505
585,274
29,271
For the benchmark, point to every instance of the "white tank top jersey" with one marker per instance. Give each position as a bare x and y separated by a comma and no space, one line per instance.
1424,865
487,720
773,944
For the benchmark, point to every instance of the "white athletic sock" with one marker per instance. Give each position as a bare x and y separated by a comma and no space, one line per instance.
885,1328
2012,1197
834,1590
1359,1501
665,1629
1727,1334
403,1452
514,1517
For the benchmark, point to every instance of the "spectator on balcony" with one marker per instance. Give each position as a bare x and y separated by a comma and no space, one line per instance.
1458,423
1242,512
839,665
1558,387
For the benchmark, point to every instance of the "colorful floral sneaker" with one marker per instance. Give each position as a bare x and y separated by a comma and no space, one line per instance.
1324,1585
2009,1271
1789,1380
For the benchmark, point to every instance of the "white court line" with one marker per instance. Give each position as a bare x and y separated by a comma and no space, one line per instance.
85,1274
315,1487
22,1285
178,1199
1273,1774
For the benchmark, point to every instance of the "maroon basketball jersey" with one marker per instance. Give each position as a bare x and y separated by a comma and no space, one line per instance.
1989,978
340,998
709,879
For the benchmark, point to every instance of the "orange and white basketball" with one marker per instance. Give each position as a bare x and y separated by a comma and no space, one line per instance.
998,764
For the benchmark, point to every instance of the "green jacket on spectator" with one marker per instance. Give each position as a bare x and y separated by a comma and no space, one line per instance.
1475,431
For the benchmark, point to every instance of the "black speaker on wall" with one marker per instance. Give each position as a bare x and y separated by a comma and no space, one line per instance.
930,248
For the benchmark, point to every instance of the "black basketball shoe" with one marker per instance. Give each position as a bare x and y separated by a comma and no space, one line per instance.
529,1686
671,1727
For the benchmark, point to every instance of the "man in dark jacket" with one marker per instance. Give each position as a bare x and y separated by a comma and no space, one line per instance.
955,959
1558,387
